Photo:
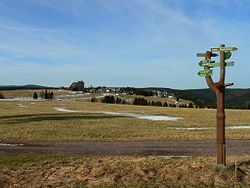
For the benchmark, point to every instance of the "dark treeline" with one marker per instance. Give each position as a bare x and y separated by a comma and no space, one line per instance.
144,102
140,101
111,100
137,91
44,95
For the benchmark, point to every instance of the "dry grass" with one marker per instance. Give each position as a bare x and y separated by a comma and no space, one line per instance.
87,171
40,121
27,93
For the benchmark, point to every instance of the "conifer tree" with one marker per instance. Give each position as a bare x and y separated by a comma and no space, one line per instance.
35,96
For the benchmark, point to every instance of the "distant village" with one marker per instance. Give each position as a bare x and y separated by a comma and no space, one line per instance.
121,91
198,98
169,98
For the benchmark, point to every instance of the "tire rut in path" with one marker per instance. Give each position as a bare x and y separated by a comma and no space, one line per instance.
145,148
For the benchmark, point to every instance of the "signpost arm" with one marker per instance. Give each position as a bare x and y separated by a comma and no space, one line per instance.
222,67
209,79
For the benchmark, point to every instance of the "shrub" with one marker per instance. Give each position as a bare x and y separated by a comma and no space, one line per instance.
93,99
2,96
109,99
165,104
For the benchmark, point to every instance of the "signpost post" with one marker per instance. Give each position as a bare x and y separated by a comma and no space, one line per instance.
219,89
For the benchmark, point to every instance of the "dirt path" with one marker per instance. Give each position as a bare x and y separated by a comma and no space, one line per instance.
161,148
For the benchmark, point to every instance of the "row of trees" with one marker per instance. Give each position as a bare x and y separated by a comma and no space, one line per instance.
144,102
139,101
112,100
44,95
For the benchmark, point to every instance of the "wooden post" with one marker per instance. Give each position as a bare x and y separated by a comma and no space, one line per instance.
219,89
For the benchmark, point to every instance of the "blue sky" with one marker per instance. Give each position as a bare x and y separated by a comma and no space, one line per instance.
120,42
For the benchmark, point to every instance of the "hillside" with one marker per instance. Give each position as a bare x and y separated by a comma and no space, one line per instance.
234,98
16,87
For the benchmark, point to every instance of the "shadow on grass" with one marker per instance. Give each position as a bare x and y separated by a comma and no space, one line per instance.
52,117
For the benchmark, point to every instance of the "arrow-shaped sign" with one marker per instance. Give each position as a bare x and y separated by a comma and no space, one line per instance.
223,49
207,72
204,55
206,62
213,64
227,55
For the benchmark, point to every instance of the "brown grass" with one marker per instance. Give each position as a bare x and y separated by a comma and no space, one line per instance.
39,121
87,171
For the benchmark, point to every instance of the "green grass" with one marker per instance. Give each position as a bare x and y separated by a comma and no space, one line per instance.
39,121
94,171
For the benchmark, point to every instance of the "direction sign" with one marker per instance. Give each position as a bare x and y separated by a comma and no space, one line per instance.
223,49
213,64
205,62
206,72
229,63
227,55
204,55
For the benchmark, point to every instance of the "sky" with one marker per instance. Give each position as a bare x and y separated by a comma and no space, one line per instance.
137,43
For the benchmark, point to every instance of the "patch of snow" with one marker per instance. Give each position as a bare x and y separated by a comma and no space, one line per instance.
21,106
194,128
18,99
148,117
66,110
238,127
10,145
207,128
102,96
138,116
157,117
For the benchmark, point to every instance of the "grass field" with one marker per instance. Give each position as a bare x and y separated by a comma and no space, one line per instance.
95,171
39,121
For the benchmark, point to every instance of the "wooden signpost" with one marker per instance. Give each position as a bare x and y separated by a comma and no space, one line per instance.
219,89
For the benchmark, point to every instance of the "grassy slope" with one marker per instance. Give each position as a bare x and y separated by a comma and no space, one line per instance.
39,121
90,171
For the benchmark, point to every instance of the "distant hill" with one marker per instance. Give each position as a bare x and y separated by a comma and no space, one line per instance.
234,98
29,86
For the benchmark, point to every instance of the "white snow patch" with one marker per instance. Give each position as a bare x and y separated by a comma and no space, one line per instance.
148,117
18,99
10,145
194,128
66,110
138,116
21,106
157,117
207,128
238,127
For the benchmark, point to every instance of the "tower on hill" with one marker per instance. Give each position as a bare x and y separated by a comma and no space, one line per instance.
77,86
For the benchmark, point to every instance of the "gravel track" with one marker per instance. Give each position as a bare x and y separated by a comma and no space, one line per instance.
144,148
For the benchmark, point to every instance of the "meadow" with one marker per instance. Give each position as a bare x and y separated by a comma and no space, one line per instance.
41,121
67,120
